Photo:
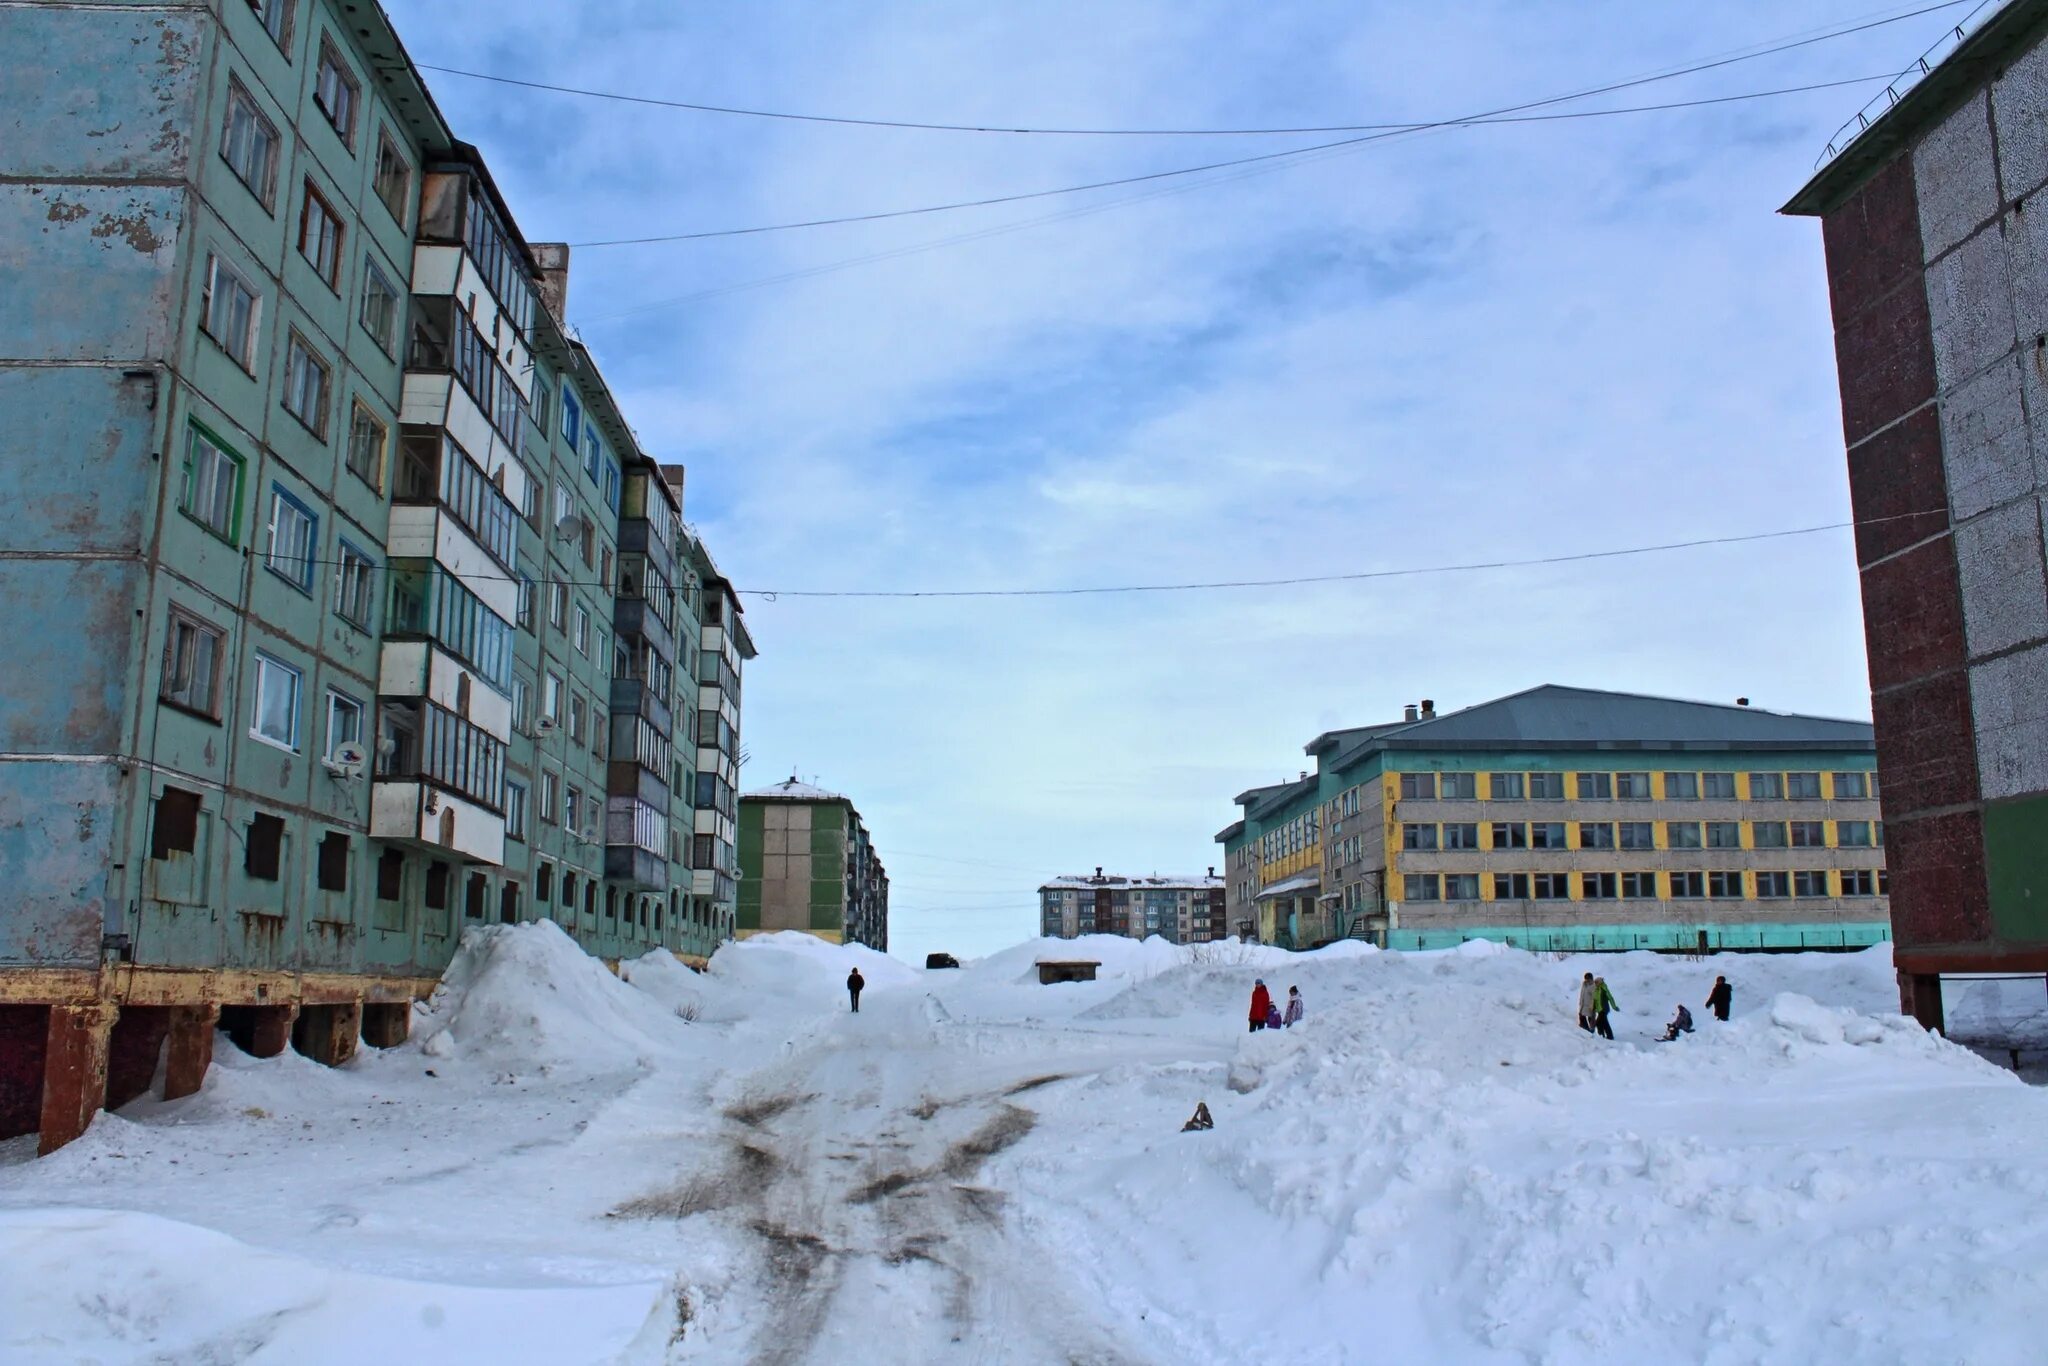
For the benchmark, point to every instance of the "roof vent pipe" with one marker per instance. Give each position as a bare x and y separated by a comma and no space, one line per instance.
1098,872
1408,713
1742,701
1428,709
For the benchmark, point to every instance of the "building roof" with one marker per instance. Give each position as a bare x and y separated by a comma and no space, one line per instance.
1558,717
1117,882
1977,60
791,790
1300,882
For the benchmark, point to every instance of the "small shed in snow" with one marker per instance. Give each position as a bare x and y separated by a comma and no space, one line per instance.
1052,970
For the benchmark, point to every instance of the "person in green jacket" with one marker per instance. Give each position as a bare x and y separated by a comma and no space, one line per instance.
1603,1001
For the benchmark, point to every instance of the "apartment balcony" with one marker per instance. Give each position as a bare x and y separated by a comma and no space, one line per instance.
431,533
407,811
423,671
440,780
636,842
632,696
634,616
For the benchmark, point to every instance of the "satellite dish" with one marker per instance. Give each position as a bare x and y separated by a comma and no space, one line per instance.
570,528
589,834
347,760
546,725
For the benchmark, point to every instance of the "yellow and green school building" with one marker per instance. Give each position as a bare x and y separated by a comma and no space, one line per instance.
1572,820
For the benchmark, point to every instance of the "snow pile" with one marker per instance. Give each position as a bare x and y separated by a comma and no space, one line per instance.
526,994
791,966
142,1288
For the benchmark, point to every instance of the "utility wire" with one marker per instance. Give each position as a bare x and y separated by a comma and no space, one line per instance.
1386,131
772,594
1011,130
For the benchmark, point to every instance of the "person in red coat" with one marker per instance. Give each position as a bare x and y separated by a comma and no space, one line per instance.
1262,1004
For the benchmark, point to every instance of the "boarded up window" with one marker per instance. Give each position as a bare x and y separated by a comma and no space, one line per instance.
508,903
611,903
333,866
176,827
590,898
437,886
265,851
544,883
473,897
569,890
390,875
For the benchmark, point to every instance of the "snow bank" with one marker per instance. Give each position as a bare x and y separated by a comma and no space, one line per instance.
790,965
526,994
142,1288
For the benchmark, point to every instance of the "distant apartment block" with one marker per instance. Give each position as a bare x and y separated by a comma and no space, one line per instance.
1937,263
1181,910
345,610
808,863
1569,819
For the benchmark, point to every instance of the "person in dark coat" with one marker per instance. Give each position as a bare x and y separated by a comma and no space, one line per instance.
1681,1023
1720,999
854,982
1262,1004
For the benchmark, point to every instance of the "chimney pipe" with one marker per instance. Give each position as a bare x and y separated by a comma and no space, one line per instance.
1098,872
1742,701
1428,709
553,259
1212,870
1408,712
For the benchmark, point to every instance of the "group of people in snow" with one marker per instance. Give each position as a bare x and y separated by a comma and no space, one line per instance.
1595,1001
1266,1014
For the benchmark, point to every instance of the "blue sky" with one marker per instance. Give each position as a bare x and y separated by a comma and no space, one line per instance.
1467,344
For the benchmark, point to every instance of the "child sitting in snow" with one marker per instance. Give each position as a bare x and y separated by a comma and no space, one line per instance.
1680,1024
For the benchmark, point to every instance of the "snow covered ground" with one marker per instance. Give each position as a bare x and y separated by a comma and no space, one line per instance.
566,1166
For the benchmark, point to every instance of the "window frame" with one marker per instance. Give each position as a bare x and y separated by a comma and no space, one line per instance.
240,99
344,702
377,282
199,434
242,352
386,143
199,630
266,663
352,557
359,412
330,59
331,253
275,18
297,346
282,498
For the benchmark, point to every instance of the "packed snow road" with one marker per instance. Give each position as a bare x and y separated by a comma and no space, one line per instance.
566,1166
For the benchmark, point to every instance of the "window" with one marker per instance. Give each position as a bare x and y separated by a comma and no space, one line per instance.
1511,886
381,307
175,829
1418,837
1681,787
572,805
263,850
1595,787
276,18
572,419
320,236
1724,834
558,605
1639,886
191,674
1596,835
344,721
582,634
393,181
1632,787
1461,835
1769,835
1774,885
593,451
569,890
1418,785
1546,787
1505,787
294,530
1596,886
213,485
544,882
229,312
550,798
1724,886
368,438
551,696
515,809
1461,886
390,875
437,888
1421,887
1809,834
335,92
1550,887
1852,834
332,862
1688,886
1812,883
1459,787
277,703
522,704
1717,787
307,380
1547,835
1637,835
1802,787
1850,786
1858,882
249,144
576,716
1681,834
1766,787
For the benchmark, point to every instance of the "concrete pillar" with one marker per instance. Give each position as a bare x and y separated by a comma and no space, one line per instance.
191,1049
74,1071
386,1024
328,1033
1920,997
260,1031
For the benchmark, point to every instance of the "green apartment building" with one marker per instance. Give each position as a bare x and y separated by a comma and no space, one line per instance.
807,863
1569,819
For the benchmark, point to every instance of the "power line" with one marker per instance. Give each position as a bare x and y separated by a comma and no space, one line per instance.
1009,129
1387,131
772,594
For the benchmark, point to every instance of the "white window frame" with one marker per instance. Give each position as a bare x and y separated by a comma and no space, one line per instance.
320,242
271,672
185,637
300,361
261,179
340,99
377,285
205,458
294,530
276,18
224,286
388,143
355,581
340,706
361,413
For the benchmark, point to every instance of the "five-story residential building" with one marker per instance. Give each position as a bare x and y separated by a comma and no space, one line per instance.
808,863
1180,910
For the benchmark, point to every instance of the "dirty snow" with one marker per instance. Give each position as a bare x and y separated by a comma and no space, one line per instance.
567,1165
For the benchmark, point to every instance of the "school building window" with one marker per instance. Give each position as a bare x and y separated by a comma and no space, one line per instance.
1548,835
1460,835
1632,787
1418,837
1510,886
1851,787
1770,835
1718,787
1774,885
1550,887
1418,786
1459,787
1764,787
1596,836
1810,883
1809,834
1681,787
1688,886
1724,886
1595,787
1681,834
1546,787
1637,835
1596,886
1639,886
1420,887
1724,834
1803,787
1852,834
1505,787
1461,886
1510,835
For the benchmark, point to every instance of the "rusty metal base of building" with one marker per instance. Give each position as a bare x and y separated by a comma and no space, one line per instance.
75,1041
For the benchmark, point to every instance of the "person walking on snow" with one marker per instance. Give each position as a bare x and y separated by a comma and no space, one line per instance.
1293,1015
1262,1004
854,982
1603,1001
1586,1003
1720,999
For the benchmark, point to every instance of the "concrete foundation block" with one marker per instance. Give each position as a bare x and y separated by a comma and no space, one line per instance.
328,1034
74,1071
1920,997
386,1024
190,1050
